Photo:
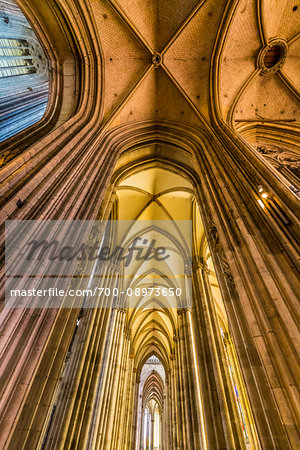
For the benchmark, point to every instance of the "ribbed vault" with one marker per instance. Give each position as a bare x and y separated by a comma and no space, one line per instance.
154,390
151,111
155,188
154,193
134,73
251,97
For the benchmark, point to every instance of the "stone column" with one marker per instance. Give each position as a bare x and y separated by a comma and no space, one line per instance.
108,410
181,409
184,369
195,430
174,422
134,423
220,413
147,445
142,433
124,388
161,431
243,398
127,411
253,249
152,432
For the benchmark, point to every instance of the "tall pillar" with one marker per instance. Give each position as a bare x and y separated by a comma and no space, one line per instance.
222,427
174,422
232,423
252,242
108,411
161,432
135,422
185,367
181,410
124,388
130,384
246,412
142,430
152,432
147,444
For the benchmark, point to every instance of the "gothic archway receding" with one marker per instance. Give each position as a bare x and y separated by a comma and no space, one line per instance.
159,190
151,406
161,113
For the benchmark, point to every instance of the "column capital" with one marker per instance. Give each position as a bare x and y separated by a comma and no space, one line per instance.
199,264
184,310
112,265
120,308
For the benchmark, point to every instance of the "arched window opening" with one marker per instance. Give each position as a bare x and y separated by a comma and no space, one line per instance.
24,74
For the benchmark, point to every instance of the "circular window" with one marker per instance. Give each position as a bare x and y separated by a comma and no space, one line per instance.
273,56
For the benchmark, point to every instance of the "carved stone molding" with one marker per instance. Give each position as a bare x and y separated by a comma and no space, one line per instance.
218,248
225,268
272,57
181,311
196,264
199,265
213,232
120,309
156,59
278,156
286,161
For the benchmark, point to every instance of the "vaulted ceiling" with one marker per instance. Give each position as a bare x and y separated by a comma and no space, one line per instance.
157,60
153,195
247,94
148,196
157,56
161,65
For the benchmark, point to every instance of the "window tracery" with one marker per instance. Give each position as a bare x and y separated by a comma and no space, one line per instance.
24,74
286,162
